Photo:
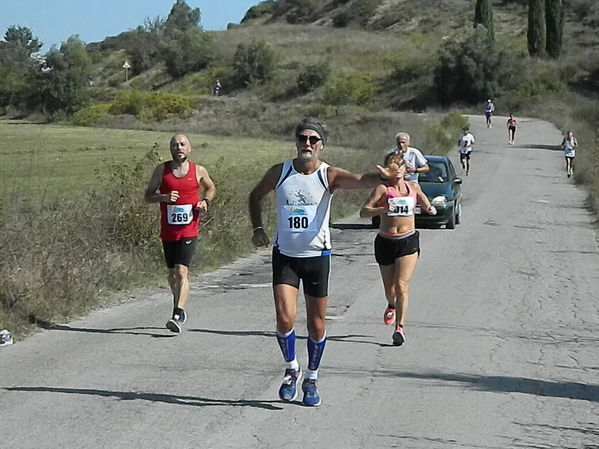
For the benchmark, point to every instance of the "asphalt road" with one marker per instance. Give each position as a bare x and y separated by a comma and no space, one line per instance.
501,347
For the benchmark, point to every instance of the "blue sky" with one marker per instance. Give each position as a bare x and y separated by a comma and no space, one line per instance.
53,21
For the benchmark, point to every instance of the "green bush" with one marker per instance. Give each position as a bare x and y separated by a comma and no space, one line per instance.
129,102
151,105
162,105
350,88
312,77
186,51
472,68
133,224
342,19
93,115
254,63
541,80
409,68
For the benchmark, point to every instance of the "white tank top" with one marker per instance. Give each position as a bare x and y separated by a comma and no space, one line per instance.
303,204
569,149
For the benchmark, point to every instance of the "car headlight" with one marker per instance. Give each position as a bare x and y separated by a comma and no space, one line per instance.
439,201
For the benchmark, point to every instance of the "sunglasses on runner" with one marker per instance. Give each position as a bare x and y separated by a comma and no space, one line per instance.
313,139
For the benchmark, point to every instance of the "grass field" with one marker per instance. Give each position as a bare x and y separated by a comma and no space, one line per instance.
60,160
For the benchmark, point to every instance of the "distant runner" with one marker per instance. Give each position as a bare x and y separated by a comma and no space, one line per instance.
465,146
489,110
569,145
511,129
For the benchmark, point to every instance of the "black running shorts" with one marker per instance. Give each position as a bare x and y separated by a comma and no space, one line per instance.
179,252
312,271
386,249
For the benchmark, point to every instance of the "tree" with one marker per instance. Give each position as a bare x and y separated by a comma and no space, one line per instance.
536,27
186,51
18,68
472,68
254,63
554,22
21,37
186,48
483,15
63,77
144,43
182,18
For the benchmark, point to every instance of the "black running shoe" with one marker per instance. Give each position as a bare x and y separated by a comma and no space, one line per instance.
399,337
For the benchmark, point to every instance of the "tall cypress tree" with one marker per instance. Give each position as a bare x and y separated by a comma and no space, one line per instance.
536,27
483,15
554,21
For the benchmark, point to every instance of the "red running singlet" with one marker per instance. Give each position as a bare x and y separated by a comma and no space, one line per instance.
179,220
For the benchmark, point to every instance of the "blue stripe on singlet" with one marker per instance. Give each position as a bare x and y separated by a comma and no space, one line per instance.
320,178
286,175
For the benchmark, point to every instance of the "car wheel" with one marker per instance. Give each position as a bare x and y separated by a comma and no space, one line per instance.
458,215
451,220
376,221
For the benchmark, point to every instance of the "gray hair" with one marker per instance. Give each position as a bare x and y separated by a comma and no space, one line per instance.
400,135
315,125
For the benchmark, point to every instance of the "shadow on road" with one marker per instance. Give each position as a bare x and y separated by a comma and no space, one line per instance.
140,330
541,147
508,384
352,338
153,397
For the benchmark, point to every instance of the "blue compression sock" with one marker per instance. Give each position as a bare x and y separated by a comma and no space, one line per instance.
315,350
287,344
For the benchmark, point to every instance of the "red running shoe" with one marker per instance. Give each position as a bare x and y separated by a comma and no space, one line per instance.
389,316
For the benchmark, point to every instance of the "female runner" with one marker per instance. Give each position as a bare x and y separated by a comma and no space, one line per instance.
396,247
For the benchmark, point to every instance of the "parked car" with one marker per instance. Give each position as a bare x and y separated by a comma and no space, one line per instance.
443,188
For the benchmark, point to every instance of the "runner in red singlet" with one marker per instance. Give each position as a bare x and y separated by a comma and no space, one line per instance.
176,185
511,129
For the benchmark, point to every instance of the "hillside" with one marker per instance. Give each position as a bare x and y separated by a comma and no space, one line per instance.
370,37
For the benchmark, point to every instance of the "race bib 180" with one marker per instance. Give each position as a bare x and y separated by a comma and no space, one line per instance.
299,218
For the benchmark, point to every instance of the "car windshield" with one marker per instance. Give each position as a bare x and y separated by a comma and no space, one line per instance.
437,173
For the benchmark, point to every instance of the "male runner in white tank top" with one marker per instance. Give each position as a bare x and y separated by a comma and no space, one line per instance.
302,246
